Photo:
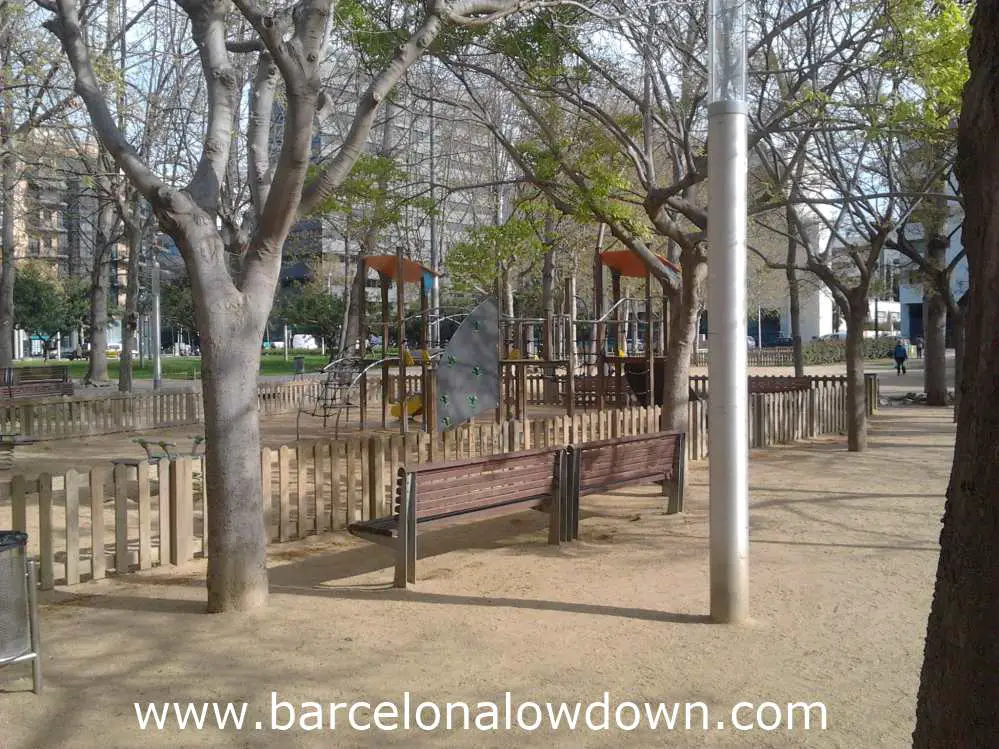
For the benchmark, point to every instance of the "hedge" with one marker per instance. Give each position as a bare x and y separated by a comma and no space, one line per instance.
832,352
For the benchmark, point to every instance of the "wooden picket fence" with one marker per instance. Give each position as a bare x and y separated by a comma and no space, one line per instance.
137,515
65,418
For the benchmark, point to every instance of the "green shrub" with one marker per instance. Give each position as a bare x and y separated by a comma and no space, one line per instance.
832,352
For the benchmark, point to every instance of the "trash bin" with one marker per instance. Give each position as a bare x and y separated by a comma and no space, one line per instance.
299,365
19,640
15,629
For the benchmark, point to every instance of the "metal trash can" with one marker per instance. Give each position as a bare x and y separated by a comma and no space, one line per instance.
298,365
18,605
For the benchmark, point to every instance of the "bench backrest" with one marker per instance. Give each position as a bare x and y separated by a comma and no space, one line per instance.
19,375
625,460
466,486
778,384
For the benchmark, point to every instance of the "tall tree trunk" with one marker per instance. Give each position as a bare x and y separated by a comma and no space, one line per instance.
508,307
548,301
237,570
959,685
97,370
130,319
856,408
684,318
794,297
548,305
358,297
8,183
7,273
368,240
935,323
676,377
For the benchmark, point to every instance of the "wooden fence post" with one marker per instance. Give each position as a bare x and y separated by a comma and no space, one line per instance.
267,489
121,518
376,476
46,545
284,499
145,516
302,453
181,511
73,482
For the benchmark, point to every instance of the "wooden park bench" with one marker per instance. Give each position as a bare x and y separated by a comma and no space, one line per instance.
596,467
20,383
444,493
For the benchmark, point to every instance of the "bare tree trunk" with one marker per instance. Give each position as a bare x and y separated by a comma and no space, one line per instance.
935,323
130,320
358,297
548,304
97,370
794,297
508,308
7,274
369,238
856,409
959,684
548,299
685,315
676,377
237,571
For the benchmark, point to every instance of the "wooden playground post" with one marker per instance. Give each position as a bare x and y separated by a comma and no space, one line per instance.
500,346
400,317
362,344
650,354
570,345
384,280
425,375
618,339
598,313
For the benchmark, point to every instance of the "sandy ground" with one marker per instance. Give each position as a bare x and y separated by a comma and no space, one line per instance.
844,549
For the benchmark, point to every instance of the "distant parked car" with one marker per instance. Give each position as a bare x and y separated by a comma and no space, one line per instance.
784,341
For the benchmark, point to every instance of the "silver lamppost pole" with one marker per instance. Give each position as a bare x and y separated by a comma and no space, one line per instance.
728,404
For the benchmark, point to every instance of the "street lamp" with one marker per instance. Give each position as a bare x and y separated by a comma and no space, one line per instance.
727,375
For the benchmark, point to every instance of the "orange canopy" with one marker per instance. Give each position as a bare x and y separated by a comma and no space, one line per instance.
412,271
629,263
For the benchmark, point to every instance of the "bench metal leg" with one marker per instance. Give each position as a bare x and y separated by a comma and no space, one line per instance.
403,574
36,662
674,490
556,511
411,545
575,471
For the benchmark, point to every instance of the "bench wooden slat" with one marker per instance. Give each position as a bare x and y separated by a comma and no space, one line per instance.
505,473
464,505
483,485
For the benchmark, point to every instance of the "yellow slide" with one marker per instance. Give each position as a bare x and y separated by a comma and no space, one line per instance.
414,407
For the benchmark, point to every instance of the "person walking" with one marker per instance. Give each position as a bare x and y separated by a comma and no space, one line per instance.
919,348
901,354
